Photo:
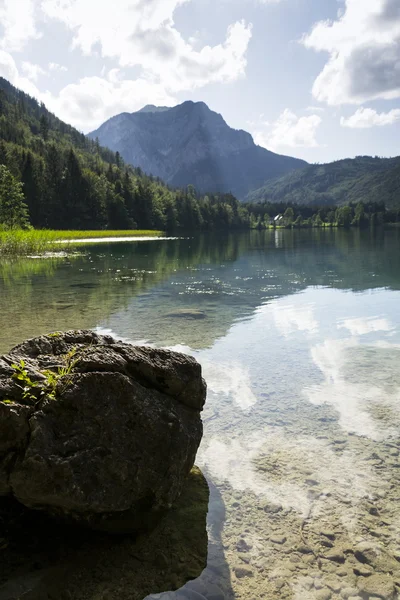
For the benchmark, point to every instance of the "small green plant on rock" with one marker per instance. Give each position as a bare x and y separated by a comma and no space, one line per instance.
34,390
29,387
53,377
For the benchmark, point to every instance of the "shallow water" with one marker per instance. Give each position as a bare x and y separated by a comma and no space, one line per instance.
298,334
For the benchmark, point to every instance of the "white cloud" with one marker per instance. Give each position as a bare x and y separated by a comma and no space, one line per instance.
364,48
93,100
56,67
32,71
367,117
291,131
143,33
135,33
17,19
315,109
8,70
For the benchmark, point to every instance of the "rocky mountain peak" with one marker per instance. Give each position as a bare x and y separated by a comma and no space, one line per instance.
192,144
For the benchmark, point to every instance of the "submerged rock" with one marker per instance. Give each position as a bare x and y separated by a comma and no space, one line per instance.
187,313
98,431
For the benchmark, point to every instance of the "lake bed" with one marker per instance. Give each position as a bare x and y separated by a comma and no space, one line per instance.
298,333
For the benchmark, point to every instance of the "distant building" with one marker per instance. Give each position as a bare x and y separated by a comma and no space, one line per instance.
278,219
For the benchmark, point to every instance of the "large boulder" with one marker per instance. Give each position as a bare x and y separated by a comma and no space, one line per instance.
98,431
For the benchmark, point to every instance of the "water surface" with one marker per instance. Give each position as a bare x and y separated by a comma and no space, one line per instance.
298,334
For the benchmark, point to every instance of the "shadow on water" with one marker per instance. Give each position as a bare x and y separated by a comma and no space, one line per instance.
215,581
41,559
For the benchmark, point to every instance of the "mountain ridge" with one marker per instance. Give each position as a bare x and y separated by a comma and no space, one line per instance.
191,144
349,180
151,108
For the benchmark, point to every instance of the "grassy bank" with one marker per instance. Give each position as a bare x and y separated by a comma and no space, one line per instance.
79,235
20,242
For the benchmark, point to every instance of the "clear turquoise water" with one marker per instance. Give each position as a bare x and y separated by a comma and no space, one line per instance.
299,338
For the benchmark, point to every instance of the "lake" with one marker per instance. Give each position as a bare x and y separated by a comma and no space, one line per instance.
298,333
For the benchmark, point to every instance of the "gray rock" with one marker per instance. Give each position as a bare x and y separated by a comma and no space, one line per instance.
379,585
111,441
272,508
304,549
333,584
328,533
348,592
243,546
241,572
365,553
335,556
14,433
363,570
307,583
278,539
323,595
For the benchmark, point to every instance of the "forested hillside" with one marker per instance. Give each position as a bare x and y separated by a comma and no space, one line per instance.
362,179
71,182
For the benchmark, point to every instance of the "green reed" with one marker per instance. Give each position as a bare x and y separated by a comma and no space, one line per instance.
26,242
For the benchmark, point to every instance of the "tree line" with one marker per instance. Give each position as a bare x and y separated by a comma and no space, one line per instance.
52,176
360,214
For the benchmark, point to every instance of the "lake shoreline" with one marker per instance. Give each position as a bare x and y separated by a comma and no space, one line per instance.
25,242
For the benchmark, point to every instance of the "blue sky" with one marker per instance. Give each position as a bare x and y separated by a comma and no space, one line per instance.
317,79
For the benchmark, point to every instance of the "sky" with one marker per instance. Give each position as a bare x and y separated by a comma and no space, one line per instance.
315,79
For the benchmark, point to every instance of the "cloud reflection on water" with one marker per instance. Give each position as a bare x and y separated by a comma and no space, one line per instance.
362,325
354,387
228,379
290,318
232,380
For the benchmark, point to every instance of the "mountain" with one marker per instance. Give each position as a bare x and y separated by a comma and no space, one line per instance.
362,179
191,144
150,108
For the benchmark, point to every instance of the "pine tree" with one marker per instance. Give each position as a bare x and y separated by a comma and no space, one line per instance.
13,210
44,127
32,190
72,191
